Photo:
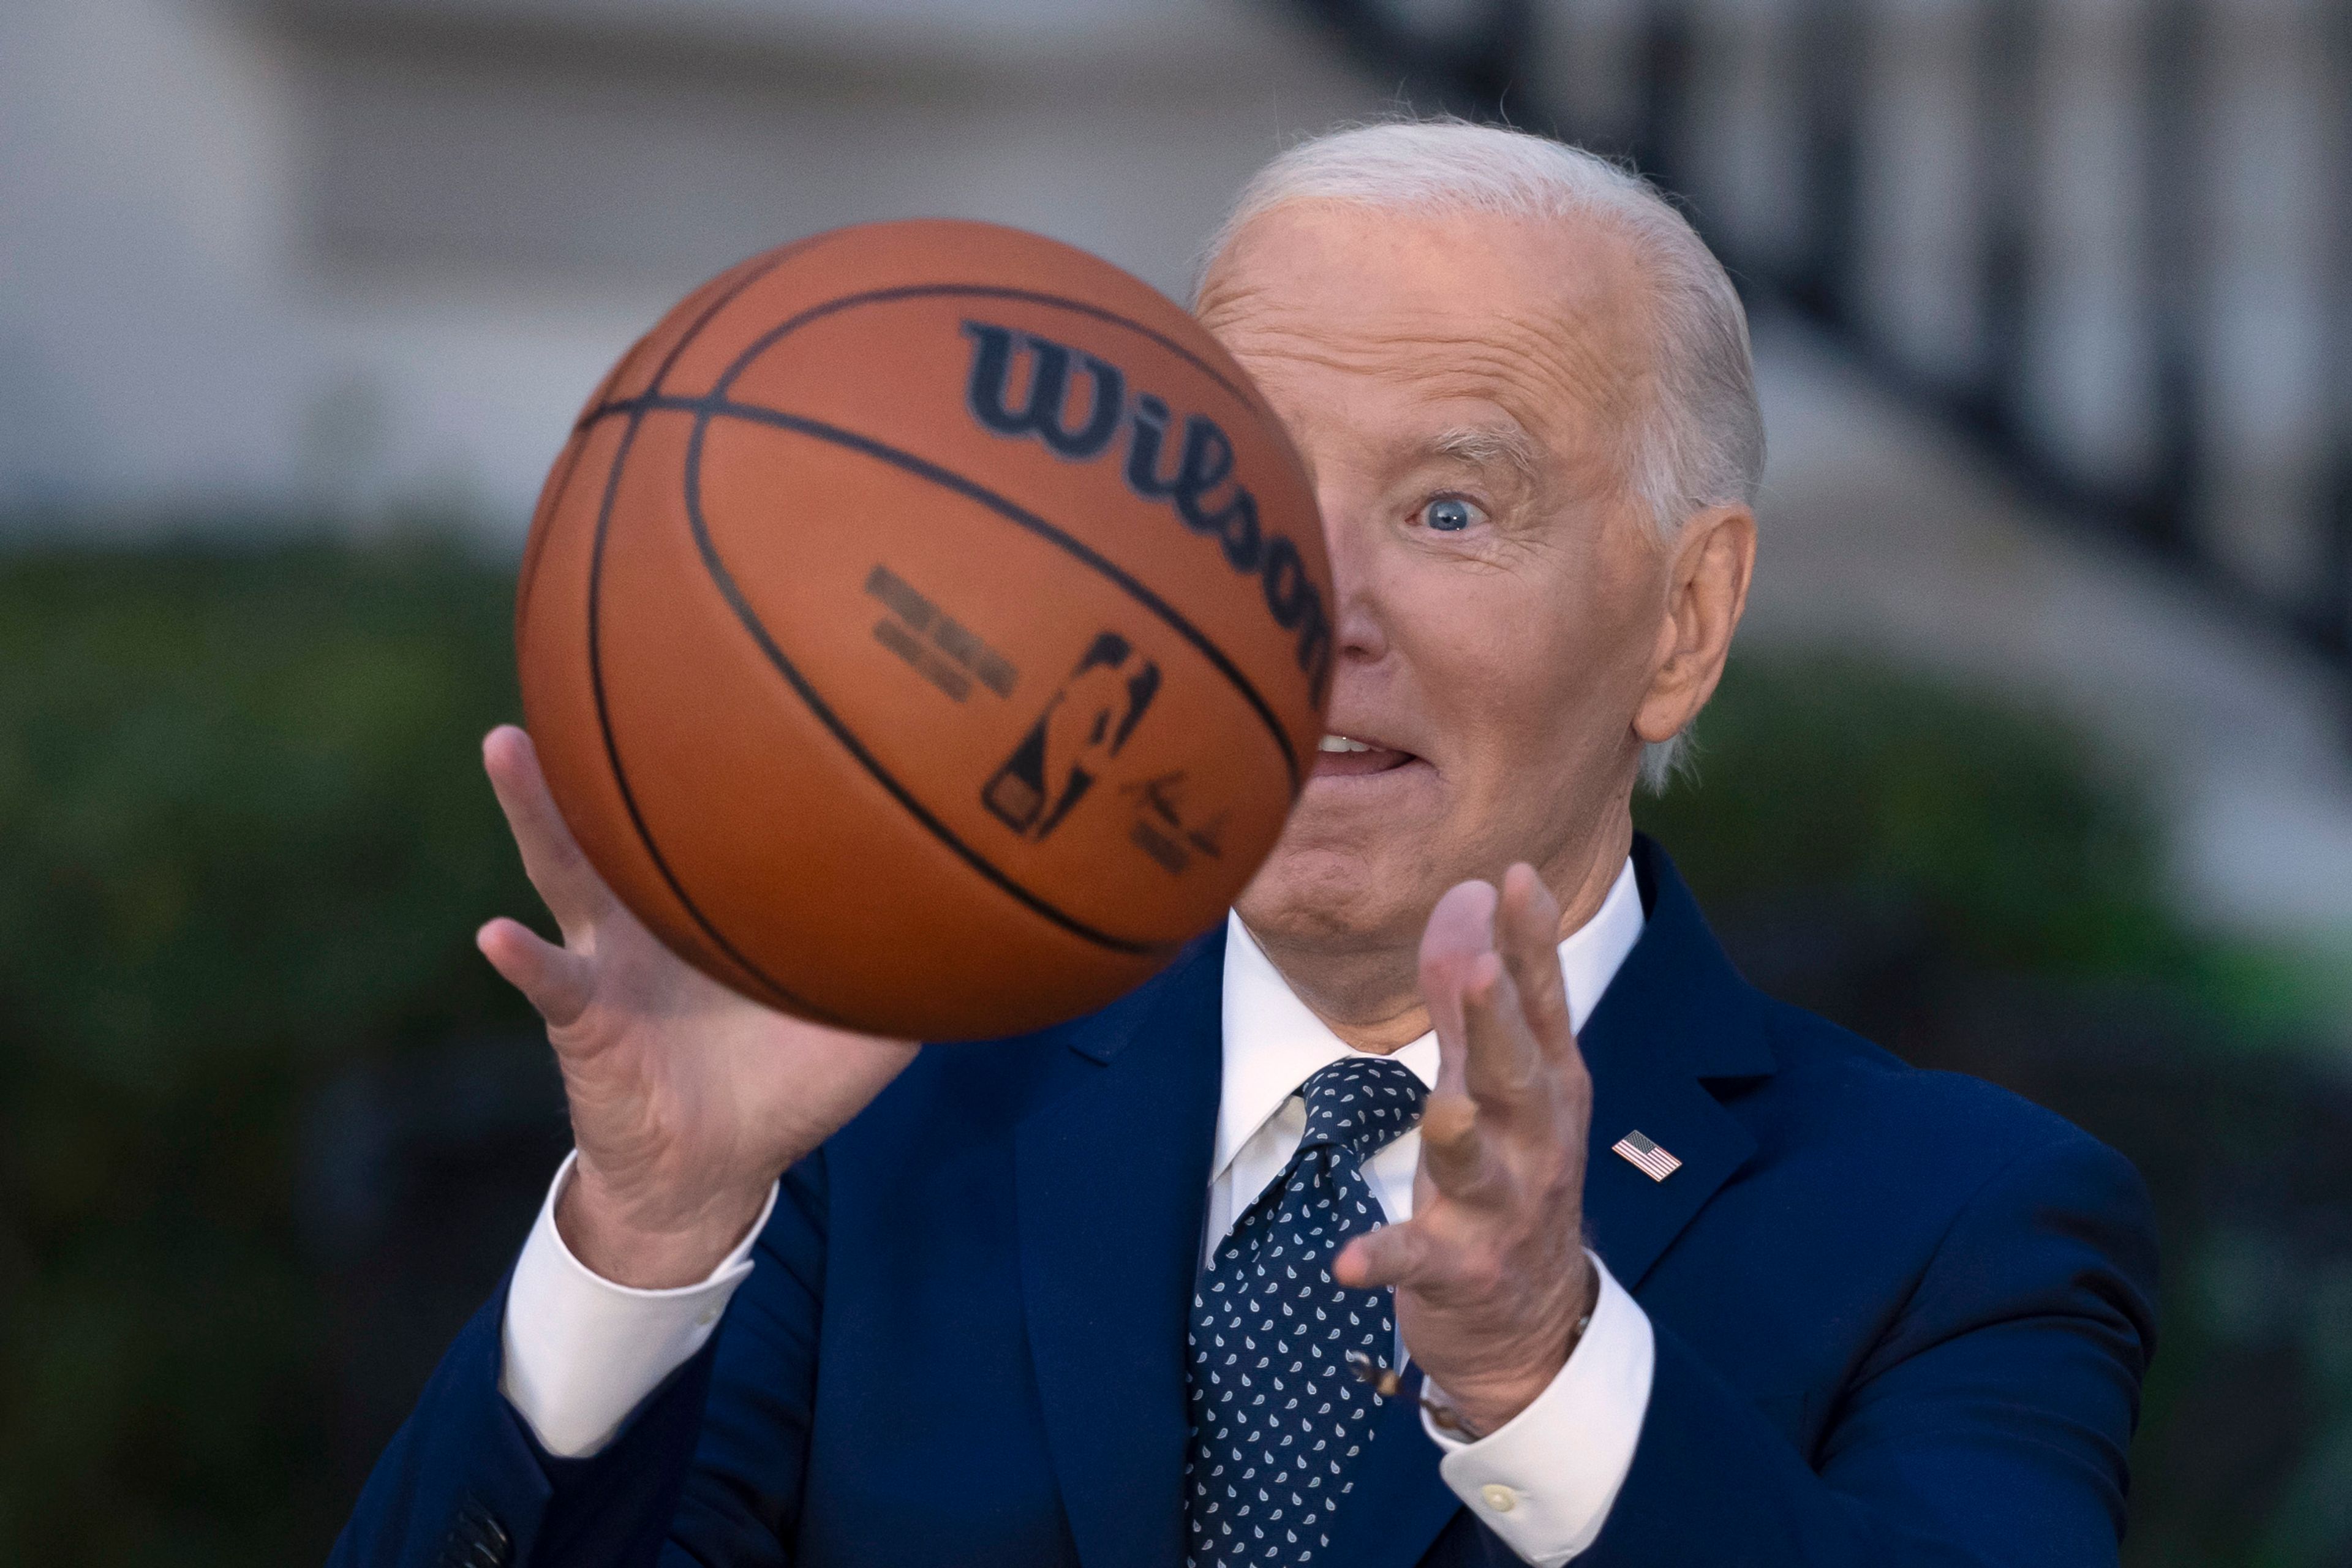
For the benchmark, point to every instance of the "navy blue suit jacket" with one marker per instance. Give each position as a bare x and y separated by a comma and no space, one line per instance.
1901,1318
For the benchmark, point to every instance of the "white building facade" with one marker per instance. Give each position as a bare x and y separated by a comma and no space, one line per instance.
342,259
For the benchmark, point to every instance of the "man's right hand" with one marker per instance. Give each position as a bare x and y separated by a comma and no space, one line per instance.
687,1100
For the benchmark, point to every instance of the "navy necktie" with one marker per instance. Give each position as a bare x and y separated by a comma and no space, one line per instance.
1277,1417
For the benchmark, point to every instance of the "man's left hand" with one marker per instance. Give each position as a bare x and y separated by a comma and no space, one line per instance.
1490,1272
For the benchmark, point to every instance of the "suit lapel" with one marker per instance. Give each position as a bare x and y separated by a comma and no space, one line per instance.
1630,1218
1111,1175
1676,1017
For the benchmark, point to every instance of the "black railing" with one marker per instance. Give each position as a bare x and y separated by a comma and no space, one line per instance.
2266,526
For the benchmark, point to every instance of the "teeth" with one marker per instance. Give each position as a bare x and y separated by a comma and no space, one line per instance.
1341,744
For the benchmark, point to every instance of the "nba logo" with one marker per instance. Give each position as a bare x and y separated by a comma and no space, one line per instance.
1073,741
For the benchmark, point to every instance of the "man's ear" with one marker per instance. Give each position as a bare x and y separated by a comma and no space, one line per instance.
1709,567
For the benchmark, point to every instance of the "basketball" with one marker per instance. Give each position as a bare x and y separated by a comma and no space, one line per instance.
926,630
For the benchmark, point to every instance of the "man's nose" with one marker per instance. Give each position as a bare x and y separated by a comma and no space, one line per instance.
1359,634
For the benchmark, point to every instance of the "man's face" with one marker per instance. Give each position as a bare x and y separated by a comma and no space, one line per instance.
1462,388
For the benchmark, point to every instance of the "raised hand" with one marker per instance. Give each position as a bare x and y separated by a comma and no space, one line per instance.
1490,1272
687,1100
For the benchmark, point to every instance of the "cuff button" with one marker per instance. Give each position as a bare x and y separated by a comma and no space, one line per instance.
1499,1497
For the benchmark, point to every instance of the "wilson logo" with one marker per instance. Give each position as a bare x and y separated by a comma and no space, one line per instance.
1079,406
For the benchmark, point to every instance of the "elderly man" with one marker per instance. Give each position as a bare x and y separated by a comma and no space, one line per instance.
1670,1274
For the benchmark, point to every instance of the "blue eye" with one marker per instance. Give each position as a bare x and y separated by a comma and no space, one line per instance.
1449,515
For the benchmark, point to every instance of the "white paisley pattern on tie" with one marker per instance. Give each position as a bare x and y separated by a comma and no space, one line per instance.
1277,1417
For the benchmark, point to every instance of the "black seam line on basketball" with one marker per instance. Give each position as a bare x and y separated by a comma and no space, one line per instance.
775,259
686,339
613,750
856,748
707,408
595,647
936,290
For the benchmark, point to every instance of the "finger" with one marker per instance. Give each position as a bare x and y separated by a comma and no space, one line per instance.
1460,930
1397,1254
1455,1153
1527,934
1503,1065
558,983
575,894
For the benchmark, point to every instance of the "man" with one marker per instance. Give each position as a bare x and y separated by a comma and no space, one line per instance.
1671,1274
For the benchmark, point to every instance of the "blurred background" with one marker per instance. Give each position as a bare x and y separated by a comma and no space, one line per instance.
2035,759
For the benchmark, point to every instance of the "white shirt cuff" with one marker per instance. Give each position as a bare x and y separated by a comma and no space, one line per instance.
1545,1480
581,1353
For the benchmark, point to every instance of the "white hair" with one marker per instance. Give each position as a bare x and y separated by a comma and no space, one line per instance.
1700,442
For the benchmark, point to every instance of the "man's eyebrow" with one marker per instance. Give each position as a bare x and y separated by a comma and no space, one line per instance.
1483,445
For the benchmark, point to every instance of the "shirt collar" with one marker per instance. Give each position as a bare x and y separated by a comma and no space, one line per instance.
1274,1043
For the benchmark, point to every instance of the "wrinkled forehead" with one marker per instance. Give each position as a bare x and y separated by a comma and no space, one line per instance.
1545,319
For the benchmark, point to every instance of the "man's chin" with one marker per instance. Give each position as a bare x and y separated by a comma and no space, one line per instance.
1330,897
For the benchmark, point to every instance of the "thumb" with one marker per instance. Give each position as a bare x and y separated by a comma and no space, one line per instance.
558,983
1391,1255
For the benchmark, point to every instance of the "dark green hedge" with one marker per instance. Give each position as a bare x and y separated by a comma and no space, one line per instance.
244,844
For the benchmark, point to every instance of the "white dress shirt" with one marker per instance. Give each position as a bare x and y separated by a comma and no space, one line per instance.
581,1352
1544,1480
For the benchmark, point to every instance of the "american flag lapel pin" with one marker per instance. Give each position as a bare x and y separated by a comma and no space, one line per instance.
1646,1157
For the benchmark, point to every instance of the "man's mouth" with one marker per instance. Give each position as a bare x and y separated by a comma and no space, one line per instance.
1345,756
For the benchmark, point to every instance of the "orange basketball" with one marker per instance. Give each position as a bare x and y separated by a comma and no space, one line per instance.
926,630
